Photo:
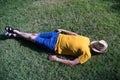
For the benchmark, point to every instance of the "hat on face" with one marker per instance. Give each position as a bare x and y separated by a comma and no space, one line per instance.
99,46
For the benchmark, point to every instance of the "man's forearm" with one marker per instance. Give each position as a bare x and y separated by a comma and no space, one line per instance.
68,32
67,62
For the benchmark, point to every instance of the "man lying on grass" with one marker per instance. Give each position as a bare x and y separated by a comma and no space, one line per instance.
69,43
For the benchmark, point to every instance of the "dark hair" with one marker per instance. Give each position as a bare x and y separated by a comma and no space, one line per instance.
93,53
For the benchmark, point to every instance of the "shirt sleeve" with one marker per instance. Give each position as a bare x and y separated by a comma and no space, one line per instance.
84,57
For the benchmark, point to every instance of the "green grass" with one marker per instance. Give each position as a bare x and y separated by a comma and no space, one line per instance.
97,19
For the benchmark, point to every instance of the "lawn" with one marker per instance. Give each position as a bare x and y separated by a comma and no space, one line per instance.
97,19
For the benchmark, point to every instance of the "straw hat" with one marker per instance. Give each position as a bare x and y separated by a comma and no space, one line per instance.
99,46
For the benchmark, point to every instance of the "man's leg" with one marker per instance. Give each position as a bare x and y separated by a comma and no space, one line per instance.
27,36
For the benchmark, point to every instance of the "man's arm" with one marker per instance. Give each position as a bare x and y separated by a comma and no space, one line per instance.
67,62
67,32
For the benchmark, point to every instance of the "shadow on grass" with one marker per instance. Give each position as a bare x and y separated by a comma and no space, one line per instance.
116,5
2,37
118,1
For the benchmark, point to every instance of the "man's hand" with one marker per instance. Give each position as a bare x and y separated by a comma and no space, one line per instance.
58,30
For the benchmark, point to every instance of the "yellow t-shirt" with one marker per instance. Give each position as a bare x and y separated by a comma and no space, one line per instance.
74,45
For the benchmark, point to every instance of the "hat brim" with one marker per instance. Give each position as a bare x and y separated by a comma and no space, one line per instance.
93,42
94,49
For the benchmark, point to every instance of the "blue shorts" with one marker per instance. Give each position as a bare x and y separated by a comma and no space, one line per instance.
47,40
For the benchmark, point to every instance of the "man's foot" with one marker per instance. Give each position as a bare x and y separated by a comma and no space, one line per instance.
10,29
9,35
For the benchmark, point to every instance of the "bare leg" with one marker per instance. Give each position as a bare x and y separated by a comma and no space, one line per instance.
27,36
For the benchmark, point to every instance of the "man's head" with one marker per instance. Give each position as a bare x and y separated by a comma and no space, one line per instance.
99,46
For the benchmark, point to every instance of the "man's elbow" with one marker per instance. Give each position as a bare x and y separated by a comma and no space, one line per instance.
72,64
